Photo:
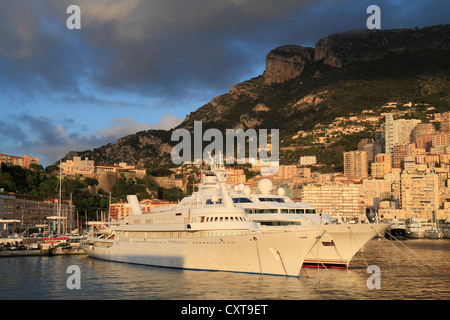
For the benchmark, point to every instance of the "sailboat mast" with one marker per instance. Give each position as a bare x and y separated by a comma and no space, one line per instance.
59,200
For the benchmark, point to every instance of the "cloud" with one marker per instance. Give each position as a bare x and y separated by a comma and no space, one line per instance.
158,47
149,55
171,48
52,139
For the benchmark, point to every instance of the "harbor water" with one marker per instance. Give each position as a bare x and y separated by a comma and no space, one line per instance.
410,269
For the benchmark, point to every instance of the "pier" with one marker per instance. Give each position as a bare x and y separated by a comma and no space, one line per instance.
42,252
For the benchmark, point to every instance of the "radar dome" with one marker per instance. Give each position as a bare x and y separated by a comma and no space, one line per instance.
246,190
281,192
265,186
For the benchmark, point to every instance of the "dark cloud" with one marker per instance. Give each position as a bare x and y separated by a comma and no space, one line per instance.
159,47
48,138
154,54
170,47
51,139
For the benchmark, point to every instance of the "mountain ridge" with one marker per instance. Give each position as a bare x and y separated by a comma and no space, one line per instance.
302,86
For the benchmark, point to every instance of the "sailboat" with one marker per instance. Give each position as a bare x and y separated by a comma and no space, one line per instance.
434,232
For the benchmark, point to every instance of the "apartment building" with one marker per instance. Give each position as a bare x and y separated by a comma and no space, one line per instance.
236,176
23,162
419,194
120,210
381,166
347,199
398,132
32,212
356,165
307,160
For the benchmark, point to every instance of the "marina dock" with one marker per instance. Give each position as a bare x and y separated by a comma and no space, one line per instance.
42,252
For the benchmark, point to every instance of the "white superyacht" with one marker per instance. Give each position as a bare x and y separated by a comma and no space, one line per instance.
277,212
191,235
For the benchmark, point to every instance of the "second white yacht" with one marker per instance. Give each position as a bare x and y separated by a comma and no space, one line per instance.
277,212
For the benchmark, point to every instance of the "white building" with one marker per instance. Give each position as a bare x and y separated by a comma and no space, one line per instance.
307,160
398,132
347,199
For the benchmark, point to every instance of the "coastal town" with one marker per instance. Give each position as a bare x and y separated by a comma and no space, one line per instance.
400,173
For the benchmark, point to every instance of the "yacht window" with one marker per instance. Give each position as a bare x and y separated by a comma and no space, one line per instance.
284,211
280,200
299,211
310,210
242,200
209,201
226,218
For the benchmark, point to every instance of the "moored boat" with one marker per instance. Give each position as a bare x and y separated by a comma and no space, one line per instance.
277,212
414,229
396,230
193,235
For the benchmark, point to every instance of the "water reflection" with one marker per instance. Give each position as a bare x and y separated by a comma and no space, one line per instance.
412,270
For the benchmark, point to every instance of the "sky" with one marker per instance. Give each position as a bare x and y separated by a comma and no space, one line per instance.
145,64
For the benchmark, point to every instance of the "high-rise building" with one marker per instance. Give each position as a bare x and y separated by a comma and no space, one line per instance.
355,164
422,129
381,166
346,199
398,132
400,152
440,139
419,194
375,191
444,120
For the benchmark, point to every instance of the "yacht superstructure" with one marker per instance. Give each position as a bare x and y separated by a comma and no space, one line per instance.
195,235
276,212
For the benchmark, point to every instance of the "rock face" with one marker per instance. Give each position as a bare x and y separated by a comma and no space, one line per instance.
286,63
341,49
142,149
303,86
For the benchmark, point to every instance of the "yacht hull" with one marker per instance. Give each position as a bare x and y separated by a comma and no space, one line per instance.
419,234
268,254
340,243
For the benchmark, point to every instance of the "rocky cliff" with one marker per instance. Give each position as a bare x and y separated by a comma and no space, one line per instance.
301,86
361,46
286,63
